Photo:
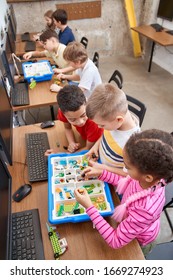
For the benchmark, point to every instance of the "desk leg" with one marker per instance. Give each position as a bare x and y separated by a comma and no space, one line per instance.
151,56
52,112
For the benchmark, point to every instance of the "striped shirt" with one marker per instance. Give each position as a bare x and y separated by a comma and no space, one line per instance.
143,215
112,144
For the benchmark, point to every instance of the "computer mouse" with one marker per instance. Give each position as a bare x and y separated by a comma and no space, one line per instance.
47,124
22,192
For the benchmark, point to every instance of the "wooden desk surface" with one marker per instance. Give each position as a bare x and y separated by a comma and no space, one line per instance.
84,242
20,46
161,38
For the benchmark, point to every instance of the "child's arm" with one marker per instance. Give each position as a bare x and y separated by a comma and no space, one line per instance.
72,77
28,55
73,146
63,70
94,151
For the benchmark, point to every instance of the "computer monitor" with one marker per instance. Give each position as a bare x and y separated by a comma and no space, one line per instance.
11,35
11,13
6,124
5,211
165,9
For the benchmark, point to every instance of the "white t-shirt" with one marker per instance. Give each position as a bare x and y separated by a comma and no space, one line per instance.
89,77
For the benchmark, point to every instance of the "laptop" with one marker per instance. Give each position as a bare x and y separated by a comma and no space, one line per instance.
8,238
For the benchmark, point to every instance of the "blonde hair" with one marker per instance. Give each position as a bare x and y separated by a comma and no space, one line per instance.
75,52
107,101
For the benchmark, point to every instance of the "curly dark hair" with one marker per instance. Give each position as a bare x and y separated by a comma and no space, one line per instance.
47,34
151,151
70,98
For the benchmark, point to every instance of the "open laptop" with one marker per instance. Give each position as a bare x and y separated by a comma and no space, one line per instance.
14,239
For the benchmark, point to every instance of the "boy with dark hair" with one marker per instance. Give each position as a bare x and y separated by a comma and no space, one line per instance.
60,20
72,105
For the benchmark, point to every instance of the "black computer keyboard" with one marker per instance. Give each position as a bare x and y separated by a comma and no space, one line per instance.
36,146
25,36
20,94
27,241
30,46
169,32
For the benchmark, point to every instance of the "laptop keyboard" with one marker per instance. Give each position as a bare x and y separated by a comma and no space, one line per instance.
30,46
36,146
20,94
27,241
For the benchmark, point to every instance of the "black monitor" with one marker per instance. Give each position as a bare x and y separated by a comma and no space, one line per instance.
165,10
6,124
5,211
7,61
11,36
13,20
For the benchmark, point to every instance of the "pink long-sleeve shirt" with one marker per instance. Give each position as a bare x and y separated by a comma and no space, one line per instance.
143,215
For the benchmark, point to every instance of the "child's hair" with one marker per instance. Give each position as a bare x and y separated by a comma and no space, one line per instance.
49,14
60,15
70,98
47,34
75,52
151,151
107,101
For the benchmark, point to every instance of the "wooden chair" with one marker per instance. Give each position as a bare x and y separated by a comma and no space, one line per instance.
135,106
84,41
96,59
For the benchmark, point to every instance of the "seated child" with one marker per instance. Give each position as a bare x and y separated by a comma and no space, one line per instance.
60,20
72,104
108,108
53,49
148,157
86,72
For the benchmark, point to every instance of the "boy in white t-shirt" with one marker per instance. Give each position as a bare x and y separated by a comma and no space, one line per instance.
86,72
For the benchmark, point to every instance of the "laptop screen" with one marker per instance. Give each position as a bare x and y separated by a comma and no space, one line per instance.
5,211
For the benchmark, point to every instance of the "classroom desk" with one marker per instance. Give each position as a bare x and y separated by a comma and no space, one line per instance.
162,38
84,242
20,46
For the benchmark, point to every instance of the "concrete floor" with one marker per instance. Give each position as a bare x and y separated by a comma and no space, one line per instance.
155,89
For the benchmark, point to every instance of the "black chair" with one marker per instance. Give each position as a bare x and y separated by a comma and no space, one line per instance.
84,41
162,251
168,203
135,106
117,78
96,59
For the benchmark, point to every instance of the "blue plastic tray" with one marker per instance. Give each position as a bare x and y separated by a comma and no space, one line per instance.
63,177
39,71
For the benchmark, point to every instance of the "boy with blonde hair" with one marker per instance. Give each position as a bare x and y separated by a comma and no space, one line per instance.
108,108
86,72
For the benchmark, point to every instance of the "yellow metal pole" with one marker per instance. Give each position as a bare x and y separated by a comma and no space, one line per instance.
132,22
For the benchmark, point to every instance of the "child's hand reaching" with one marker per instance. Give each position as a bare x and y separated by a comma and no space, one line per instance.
61,76
72,147
82,197
90,172
55,88
93,154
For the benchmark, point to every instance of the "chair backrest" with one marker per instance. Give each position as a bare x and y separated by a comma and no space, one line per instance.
137,108
96,59
84,41
117,78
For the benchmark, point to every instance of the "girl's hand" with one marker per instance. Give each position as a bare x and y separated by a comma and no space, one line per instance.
72,147
96,165
90,172
82,197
